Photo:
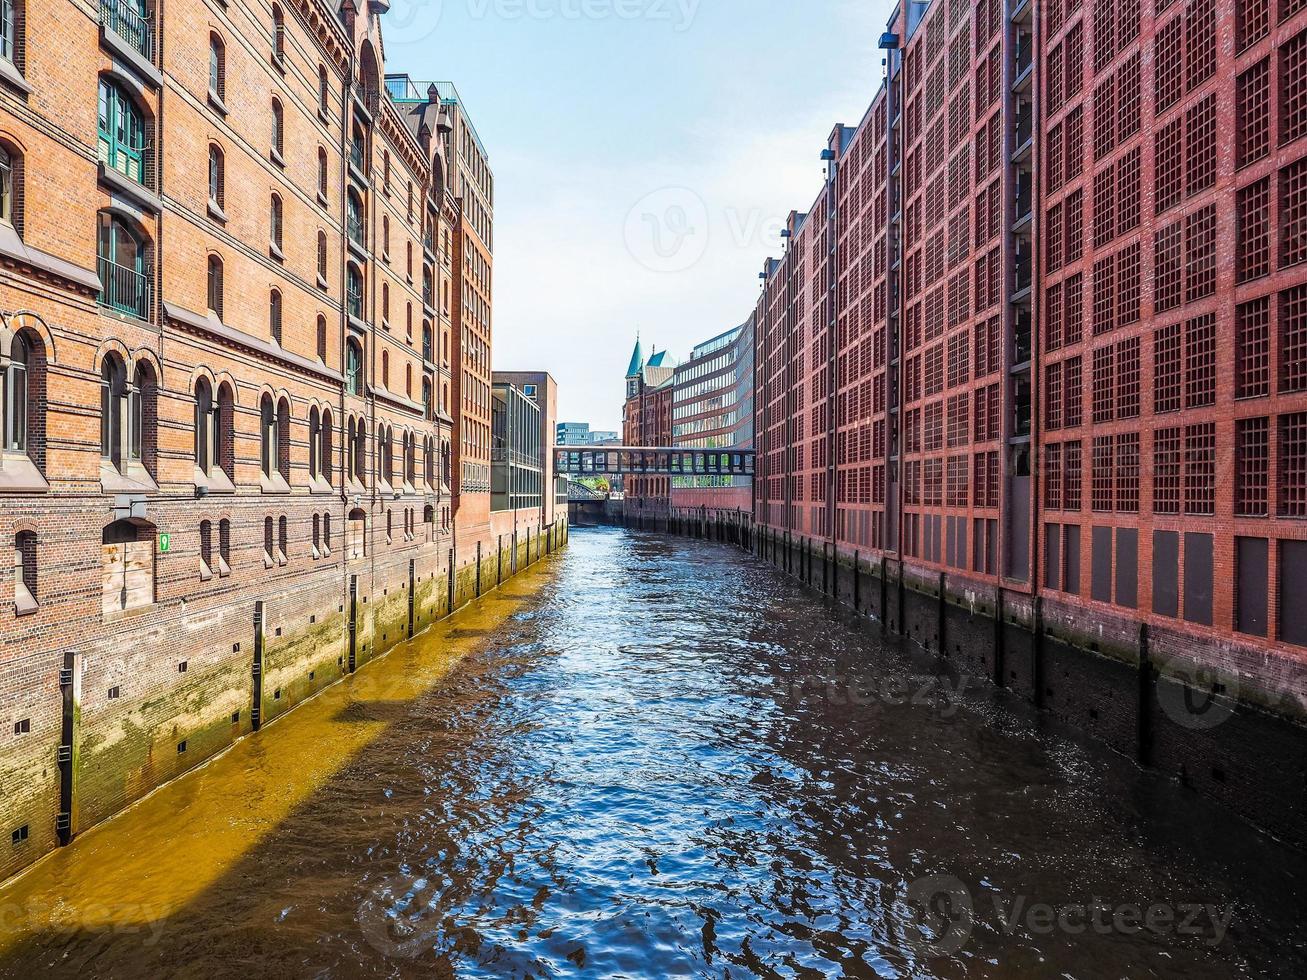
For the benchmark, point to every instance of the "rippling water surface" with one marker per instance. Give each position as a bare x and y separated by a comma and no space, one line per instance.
661,759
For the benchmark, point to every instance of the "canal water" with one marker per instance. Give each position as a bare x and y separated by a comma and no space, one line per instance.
651,757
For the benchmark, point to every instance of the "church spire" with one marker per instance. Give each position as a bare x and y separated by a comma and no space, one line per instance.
637,359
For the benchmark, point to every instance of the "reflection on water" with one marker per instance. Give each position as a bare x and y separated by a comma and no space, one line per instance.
661,759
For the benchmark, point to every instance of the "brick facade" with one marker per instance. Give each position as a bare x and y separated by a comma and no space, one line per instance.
230,292
1058,346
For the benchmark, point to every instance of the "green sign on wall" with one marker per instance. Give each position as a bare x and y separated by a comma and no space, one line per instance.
165,542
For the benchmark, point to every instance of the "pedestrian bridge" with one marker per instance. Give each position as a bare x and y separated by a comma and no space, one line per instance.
656,460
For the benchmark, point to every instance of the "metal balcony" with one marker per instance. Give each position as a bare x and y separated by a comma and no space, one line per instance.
125,289
125,19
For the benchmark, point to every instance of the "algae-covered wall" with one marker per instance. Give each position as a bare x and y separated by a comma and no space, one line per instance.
165,688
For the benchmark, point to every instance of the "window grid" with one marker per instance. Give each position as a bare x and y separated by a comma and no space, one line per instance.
1200,468
1127,472
1293,465
1252,467
1253,348
1253,242
1253,113
1166,369
1072,476
1293,213
1293,339
1166,471
1293,88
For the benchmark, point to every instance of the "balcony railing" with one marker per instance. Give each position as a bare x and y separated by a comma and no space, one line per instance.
1025,124
357,233
356,156
125,19
354,303
124,288
136,163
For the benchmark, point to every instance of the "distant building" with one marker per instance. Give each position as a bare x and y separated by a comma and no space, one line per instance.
572,434
712,408
605,437
540,388
647,421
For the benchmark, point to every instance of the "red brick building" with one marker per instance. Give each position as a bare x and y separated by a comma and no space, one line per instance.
647,421
241,330
1115,423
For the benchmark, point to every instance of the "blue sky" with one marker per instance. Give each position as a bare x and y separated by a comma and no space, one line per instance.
645,154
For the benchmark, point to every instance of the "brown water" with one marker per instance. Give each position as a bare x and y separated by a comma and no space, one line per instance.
650,758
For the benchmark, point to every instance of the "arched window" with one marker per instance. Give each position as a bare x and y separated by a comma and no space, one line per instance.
278,130
205,426
322,338
224,547
426,398
25,593
429,462
269,542
267,435
358,149
206,550
356,538
216,178
386,454
326,534
385,236
217,67
113,410
428,354
385,304
278,35
353,368
355,220
274,315
322,258
10,31
385,170
324,90
410,459
317,536
354,291
283,539
121,132
142,413
385,369
408,380
325,447
360,452
275,222
123,265
17,401
215,286
10,180
322,172
408,261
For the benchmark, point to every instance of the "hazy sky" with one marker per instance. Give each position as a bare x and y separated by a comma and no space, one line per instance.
645,155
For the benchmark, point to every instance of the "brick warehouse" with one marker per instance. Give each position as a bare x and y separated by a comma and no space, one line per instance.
245,298
1037,354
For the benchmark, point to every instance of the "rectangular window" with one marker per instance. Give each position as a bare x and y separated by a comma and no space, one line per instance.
1200,253
1074,307
1254,20
1168,171
1293,339
1253,241
1200,468
1253,113
1169,63
1167,270
1053,396
1104,365
1102,477
1053,477
1127,285
1166,369
1293,465
1253,348
1072,478
1074,413
1104,206
1104,295
1293,88
1104,118
1200,146
1252,467
1293,213
1166,471
1127,472
1127,379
